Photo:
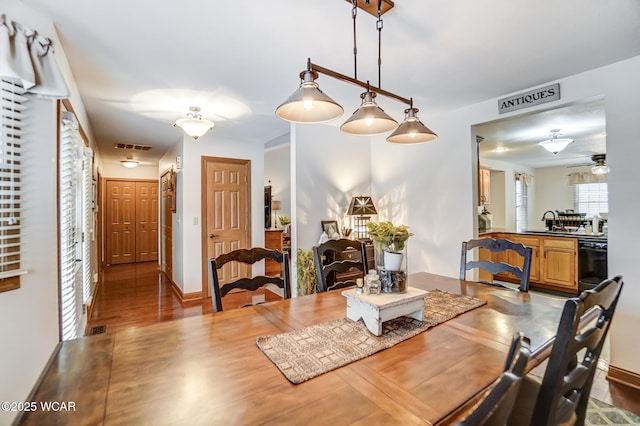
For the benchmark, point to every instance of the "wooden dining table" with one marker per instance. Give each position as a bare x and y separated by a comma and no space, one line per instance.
208,369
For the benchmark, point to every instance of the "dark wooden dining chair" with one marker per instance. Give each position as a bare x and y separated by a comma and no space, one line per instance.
563,394
494,409
249,257
497,246
339,263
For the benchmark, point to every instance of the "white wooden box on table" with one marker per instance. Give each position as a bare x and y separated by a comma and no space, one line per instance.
374,309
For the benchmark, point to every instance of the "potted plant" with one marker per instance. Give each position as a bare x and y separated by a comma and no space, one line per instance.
389,242
306,270
284,222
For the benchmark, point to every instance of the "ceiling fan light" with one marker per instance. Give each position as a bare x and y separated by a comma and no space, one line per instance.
309,104
129,163
369,119
411,130
600,169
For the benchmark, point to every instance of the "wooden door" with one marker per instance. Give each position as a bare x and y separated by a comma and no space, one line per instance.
146,221
120,238
226,212
167,226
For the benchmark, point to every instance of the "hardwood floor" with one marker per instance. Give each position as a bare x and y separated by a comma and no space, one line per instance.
134,295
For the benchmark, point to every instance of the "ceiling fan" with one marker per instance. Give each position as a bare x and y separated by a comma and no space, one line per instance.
598,164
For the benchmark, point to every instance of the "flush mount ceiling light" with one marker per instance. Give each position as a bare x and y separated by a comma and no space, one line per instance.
194,125
554,143
129,163
600,168
310,105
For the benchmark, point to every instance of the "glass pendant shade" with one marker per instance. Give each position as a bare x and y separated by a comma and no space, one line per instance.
309,104
555,145
195,126
412,130
369,119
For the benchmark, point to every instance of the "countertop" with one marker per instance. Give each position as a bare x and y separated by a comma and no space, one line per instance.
599,236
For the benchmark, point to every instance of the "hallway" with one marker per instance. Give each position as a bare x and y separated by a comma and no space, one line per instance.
138,294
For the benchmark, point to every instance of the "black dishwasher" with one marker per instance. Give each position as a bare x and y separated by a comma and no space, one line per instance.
592,262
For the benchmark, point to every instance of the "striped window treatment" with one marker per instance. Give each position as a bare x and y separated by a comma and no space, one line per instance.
27,68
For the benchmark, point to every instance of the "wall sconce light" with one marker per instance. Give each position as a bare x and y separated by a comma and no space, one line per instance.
194,125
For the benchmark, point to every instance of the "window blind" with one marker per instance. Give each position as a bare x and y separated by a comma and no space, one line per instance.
521,203
71,288
87,223
591,198
13,109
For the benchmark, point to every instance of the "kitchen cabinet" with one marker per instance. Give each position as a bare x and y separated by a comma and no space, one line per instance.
484,183
553,261
516,259
559,266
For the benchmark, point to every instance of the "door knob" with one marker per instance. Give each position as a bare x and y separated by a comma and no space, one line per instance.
213,235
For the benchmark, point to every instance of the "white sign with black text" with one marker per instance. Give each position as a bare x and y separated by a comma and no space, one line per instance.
528,99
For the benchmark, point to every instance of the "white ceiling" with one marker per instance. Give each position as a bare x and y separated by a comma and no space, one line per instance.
140,65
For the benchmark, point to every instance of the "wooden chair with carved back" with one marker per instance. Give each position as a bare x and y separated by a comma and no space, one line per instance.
495,408
336,258
247,256
497,246
561,398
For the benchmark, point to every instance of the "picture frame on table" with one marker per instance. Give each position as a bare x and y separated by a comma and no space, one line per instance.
331,228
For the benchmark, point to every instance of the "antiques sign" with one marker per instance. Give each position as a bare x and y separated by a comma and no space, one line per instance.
528,99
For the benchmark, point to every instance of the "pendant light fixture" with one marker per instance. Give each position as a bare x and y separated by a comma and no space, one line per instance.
310,105
555,144
194,125
411,130
369,118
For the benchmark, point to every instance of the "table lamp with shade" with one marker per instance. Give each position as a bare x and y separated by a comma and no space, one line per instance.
361,208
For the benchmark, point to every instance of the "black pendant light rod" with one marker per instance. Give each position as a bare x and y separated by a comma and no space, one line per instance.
354,14
379,28
326,71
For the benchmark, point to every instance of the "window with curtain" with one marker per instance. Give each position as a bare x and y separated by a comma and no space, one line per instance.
521,201
590,193
13,115
591,198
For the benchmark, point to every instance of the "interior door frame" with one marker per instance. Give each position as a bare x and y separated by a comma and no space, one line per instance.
203,210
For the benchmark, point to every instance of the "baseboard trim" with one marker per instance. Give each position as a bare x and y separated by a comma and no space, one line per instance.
185,297
31,397
625,377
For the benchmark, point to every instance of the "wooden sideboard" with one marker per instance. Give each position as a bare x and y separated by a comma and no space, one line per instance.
275,239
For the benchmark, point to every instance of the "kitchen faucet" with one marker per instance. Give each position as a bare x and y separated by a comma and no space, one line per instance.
553,224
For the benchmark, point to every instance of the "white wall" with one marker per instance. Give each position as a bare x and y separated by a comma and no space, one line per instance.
433,183
503,192
29,320
116,170
330,167
187,224
277,169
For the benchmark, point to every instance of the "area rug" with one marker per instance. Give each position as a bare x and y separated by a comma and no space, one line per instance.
600,413
311,351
